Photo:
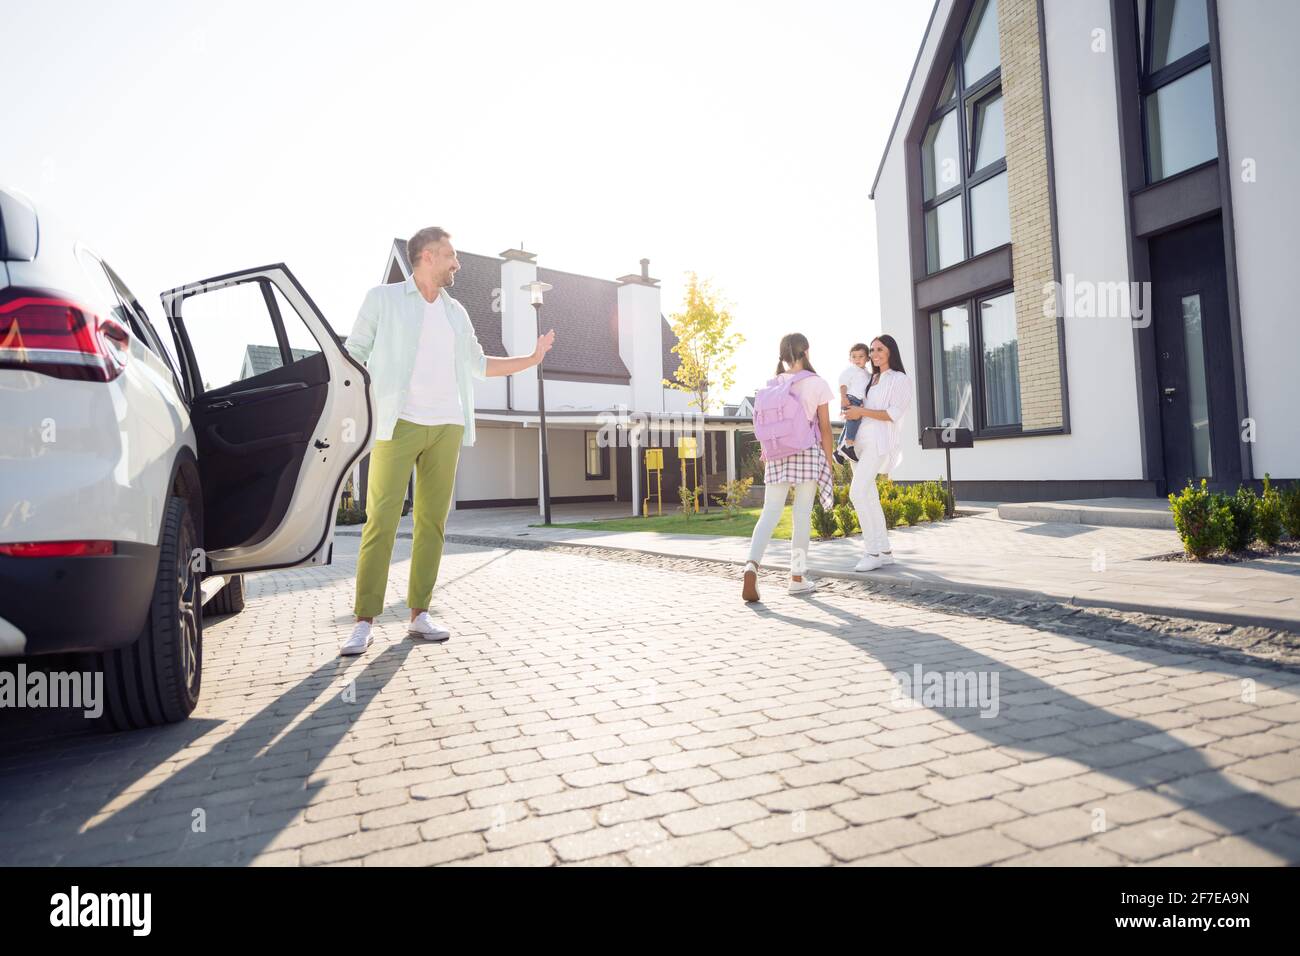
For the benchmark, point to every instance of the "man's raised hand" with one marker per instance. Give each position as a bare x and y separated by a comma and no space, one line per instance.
544,343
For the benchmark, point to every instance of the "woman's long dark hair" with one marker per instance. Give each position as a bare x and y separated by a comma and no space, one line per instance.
793,348
895,361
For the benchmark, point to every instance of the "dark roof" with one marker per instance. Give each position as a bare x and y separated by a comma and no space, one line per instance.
264,358
583,310
671,358
584,313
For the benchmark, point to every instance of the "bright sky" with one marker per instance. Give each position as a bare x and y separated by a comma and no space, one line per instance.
736,139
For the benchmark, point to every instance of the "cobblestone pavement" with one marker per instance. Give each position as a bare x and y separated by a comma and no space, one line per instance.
592,711
981,554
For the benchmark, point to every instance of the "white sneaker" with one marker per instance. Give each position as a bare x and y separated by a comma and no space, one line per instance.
424,627
358,641
801,587
886,557
869,562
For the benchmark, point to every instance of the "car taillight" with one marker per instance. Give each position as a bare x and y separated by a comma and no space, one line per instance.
49,333
58,549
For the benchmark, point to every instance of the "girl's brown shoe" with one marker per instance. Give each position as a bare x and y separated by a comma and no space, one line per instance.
750,591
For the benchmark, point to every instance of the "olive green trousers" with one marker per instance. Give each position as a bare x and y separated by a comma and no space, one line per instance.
433,451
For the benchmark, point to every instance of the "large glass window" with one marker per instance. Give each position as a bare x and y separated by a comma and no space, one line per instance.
980,53
597,458
963,152
1177,88
975,365
1198,391
1180,124
1178,27
944,237
940,156
950,344
987,135
990,221
1001,369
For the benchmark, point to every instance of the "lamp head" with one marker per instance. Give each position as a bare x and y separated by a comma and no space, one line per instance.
536,289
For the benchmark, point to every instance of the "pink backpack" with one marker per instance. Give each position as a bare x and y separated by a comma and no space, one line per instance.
780,423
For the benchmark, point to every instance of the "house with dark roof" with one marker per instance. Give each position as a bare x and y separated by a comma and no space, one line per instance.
264,358
606,403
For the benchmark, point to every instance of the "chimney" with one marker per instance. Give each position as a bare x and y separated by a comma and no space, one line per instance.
640,342
518,321
642,278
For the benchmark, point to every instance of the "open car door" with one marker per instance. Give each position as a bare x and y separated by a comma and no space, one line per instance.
281,413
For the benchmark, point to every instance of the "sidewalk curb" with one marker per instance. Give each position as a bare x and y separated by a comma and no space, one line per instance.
950,587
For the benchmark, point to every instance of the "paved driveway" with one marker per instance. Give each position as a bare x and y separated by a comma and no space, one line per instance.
596,711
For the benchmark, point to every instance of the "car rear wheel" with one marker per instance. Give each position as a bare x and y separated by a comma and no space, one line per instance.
229,600
157,679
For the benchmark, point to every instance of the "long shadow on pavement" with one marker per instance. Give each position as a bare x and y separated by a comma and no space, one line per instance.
1061,724
250,787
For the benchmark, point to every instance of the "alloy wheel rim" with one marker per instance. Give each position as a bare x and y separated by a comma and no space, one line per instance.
187,587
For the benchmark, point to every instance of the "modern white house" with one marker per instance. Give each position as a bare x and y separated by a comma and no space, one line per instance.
1086,219
605,398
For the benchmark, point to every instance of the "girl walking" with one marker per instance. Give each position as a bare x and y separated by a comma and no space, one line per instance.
792,423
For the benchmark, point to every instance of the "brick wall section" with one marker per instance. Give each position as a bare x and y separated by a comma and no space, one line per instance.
1031,212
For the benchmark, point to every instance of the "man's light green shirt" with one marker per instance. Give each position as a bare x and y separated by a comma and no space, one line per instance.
385,337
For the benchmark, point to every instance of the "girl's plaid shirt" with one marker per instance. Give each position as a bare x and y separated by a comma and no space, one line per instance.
807,465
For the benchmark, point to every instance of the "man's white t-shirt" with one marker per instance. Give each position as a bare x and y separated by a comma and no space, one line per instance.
433,398
855,380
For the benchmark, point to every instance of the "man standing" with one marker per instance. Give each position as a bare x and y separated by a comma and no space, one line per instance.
422,354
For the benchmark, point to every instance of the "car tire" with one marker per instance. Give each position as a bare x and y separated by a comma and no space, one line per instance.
229,600
157,679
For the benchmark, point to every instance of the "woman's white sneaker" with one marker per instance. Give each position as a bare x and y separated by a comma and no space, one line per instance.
869,562
886,557
424,627
358,641
801,587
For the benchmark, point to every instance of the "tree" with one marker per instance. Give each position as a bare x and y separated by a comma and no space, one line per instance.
706,348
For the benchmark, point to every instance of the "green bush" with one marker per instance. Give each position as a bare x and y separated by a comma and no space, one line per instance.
1201,520
823,521
733,495
886,487
934,510
846,518
841,474
1291,510
686,496
1240,531
349,516
911,507
1268,514
841,495
890,508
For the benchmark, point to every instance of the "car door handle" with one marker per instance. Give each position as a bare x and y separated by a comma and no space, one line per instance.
243,448
256,395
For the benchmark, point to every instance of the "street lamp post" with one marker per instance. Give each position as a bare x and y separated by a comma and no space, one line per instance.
535,290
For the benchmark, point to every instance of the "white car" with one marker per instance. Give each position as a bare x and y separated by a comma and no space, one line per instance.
136,486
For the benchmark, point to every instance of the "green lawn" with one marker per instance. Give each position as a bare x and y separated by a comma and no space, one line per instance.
715,522
674,522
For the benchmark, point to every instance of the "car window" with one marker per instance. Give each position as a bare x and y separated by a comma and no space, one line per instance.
103,293
141,318
235,332
148,333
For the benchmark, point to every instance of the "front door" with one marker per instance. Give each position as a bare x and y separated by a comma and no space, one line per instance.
1194,357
